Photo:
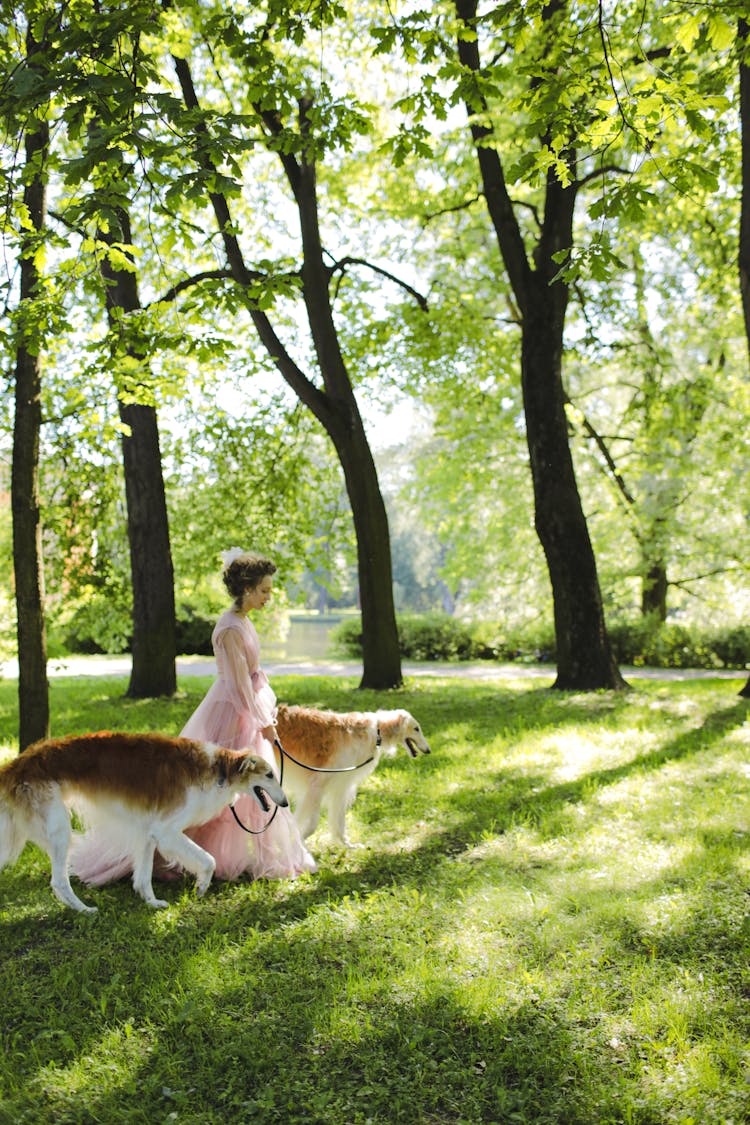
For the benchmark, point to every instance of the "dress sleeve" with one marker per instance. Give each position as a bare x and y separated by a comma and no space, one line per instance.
239,680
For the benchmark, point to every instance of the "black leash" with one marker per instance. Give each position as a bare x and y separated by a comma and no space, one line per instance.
323,769
254,831
260,831
313,769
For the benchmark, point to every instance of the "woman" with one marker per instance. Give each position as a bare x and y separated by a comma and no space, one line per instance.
239,713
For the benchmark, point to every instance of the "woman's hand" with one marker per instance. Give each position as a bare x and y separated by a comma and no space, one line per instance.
270,734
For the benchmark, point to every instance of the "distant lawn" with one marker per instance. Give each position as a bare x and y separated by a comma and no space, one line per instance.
549,923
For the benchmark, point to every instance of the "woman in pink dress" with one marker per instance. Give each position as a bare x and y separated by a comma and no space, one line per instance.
239,712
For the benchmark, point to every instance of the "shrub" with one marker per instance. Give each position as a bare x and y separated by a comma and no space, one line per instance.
732,646
346,637
630,638
7,625
645,641
676,646
440,637
434,637
101,625
635,641
97,622
193,631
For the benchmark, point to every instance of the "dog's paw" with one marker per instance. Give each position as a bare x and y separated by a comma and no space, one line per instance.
158,903
81,907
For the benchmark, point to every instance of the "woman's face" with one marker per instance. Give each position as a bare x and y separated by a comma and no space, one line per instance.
257,596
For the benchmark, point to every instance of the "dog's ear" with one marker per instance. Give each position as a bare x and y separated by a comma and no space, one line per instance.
249,764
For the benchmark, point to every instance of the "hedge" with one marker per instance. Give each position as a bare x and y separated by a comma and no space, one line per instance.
636,642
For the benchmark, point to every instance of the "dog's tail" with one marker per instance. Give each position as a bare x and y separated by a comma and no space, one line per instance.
13,833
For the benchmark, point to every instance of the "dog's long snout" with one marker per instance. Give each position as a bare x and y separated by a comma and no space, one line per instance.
270,785
416,748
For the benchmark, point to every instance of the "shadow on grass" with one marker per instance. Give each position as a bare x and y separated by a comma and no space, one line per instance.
714,727
284,1048
416,1062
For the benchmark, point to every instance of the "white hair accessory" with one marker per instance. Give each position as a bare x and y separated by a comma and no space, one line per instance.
228,557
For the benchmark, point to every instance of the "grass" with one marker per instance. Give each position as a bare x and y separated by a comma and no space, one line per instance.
548,922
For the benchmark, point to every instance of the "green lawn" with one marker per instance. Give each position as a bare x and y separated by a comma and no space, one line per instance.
548,922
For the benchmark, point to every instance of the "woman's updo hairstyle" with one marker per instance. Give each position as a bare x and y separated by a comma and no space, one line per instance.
245,572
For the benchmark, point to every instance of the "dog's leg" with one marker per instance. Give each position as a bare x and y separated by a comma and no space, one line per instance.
55,838
13,834
341,798
143,869
175,845
307,812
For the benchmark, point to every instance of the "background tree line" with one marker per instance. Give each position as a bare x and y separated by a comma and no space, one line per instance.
229,229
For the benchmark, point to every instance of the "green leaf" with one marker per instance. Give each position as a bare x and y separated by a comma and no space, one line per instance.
687,32
721,33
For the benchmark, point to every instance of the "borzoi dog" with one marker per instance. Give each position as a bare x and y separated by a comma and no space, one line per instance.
147,787
327,740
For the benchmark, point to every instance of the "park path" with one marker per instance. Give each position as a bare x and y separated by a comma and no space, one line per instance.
471,670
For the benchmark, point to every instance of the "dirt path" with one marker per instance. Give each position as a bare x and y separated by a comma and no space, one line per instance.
476,670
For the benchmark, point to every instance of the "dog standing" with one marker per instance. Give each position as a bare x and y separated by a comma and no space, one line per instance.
329,740
146,789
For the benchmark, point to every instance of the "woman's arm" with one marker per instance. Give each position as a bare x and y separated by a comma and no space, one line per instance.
240,683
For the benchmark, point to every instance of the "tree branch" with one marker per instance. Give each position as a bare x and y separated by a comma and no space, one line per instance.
344,262
452,210
609,460
685,583
271,118
187,282
303,387
207,275
602,171
499,204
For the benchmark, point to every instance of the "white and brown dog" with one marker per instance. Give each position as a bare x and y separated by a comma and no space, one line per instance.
316,740
147,787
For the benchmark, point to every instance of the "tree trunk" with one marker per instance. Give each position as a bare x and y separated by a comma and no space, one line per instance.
744,234
33,689
154,641
153,647
654,592
381,659
744,238
584,655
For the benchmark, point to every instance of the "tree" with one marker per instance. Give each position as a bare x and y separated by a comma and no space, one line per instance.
108,109
335,404
584,654
33,694
91,62
648,412
651,386
153,644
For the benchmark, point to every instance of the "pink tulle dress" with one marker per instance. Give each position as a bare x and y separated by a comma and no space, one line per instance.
238,705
